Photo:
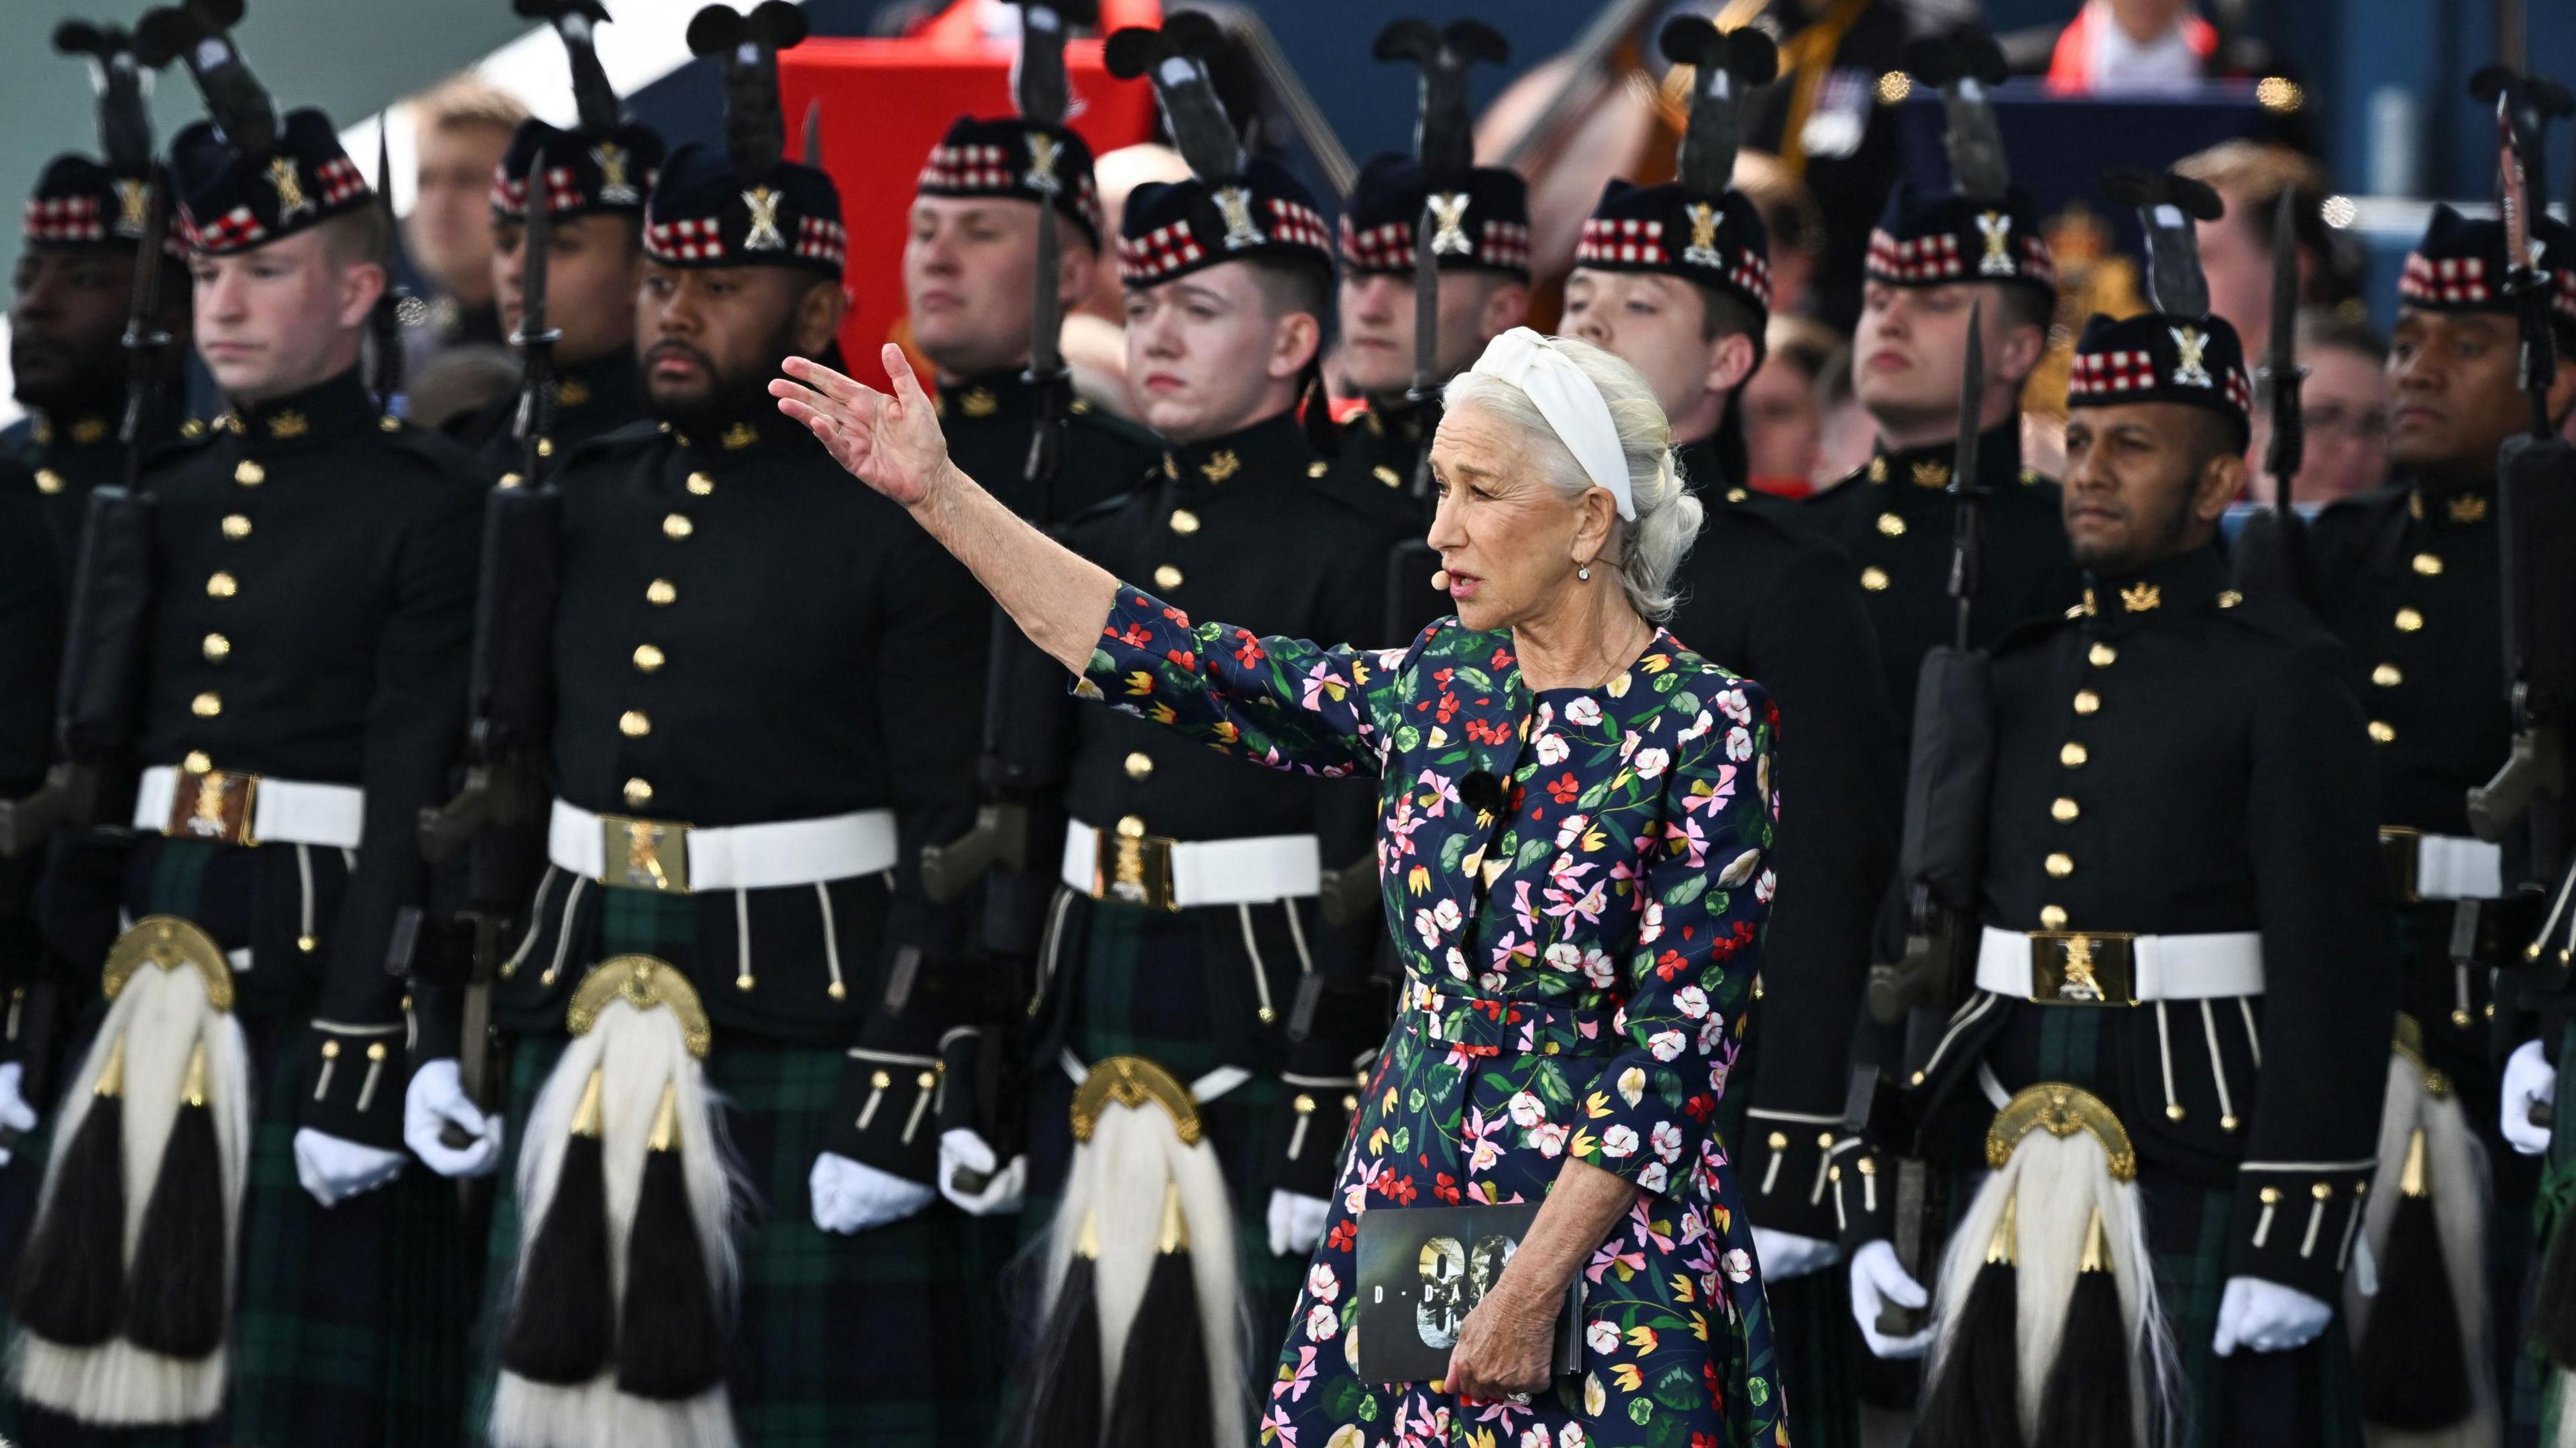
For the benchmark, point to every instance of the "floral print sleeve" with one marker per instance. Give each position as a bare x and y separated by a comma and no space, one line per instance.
1286,703
1704,867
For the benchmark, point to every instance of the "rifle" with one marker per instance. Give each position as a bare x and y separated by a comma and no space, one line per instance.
384,323
1000,836
2536,488
2284,539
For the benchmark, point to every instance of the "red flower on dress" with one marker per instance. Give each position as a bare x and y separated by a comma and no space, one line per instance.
1250,653
1445,1187
1183,657
1344,1236
1565,788
1133,636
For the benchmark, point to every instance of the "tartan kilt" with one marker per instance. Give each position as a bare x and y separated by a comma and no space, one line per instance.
346,1320
2539,1399
1142,977
890,1337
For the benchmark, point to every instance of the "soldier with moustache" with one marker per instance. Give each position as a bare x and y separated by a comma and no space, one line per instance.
968,276
764,687
597,176
2167,1067
2408,578
1186,945
74,292
300,591
1765,599
1934,261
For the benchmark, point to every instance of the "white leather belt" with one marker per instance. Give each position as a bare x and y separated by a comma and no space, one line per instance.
281,811
1254,870
2059,967
2443,867
665,855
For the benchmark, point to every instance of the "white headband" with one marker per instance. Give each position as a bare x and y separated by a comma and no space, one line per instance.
1569,402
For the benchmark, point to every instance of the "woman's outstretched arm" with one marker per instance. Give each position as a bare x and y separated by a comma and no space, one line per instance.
892,442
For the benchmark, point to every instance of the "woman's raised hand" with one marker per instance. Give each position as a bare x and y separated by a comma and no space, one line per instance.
891,442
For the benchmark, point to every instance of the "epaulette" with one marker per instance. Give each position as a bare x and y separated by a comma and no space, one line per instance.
2030,632
1110,506
1101,419
2276,615
633,437
1317,480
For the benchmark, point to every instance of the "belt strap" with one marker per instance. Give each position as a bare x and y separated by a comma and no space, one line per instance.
1254,870
664,855
2425,866
2071,968
1203,1090
280,811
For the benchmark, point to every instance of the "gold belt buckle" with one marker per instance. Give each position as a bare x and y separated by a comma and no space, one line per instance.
1134,868
2402,849
644,854
2071,969
217,805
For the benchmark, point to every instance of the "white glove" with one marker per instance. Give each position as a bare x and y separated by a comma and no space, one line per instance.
1784,1255
962,1150
2265,1316
334,1168
436,1099
1877,1279
2529,1079
1296,1223
852,1197
15,1114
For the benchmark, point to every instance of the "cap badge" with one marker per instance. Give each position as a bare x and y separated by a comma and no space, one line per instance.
1449,223
764,235
129,206
1221,465
1234,203
1044,152
291,200
1997,228
2141,597
616,187
2189,344
1704,219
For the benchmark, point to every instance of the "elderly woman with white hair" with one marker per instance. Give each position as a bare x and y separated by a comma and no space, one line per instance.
1575,831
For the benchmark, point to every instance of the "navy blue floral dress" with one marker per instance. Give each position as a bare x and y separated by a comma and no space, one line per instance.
1592,1008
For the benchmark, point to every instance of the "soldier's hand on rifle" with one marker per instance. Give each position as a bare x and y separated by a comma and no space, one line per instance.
1786,1254
2267,1317
2529,1081
1878,1279
851,1196
16,1116
965,1153
436,1100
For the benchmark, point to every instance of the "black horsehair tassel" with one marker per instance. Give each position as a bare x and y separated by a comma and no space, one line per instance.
670,1341
1162,1393
1060,1404
71,1278
2412,1373
1975,1402
562,1322
2086,1398
179,1279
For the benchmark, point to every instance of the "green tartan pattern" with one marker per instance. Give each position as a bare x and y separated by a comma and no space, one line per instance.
1137,972
889,1337
2539,1387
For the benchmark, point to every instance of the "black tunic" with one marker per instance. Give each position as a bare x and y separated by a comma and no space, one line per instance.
2173,759
988,421
2407,578
592,399
1780,607
313,578
1894,518
70,457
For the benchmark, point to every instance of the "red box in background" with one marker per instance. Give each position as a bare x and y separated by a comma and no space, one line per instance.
885,104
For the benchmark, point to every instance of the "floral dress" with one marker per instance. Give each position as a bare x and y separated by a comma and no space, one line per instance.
1576,977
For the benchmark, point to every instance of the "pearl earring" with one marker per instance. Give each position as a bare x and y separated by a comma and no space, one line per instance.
1584,573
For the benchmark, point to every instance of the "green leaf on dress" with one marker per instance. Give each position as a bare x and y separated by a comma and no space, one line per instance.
1690,888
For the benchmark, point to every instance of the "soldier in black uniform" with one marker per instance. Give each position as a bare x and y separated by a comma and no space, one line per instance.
304,595
1186,945
1770,602
1932,261
1484,292
745,642
33,584
968,281
2174,1046
2407,577
75,287
597,178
